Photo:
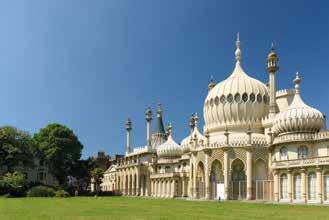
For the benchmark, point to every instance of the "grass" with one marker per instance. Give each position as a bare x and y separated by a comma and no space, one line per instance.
144,208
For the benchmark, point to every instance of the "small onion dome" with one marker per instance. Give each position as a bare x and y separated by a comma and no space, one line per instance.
194,135
170,148
299,117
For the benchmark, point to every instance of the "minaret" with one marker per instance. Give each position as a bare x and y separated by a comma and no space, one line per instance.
148,117
272,67
128,128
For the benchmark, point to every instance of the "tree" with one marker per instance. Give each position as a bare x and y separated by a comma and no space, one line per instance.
16,149
97,175
60,149
82,173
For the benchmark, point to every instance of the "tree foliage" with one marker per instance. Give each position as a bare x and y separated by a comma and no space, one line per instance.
16,149
97,174
60,149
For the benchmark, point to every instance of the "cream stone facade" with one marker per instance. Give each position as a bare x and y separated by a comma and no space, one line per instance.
257,144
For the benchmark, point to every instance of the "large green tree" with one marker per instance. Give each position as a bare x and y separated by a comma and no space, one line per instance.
60,148
97,174
16,149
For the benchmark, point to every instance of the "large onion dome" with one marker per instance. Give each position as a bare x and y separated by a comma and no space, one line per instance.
169,149
236,103
299,117
194,135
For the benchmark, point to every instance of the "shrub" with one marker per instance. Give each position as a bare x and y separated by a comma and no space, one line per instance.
62,193
12,184
41,191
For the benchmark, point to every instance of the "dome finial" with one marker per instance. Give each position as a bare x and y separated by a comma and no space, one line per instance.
211,84
272,46
297,81
196,118
238,51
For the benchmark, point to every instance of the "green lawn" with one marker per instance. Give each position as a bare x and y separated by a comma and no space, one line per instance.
143,208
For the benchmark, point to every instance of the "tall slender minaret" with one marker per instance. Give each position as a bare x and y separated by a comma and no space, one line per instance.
128,128
272,67
148,117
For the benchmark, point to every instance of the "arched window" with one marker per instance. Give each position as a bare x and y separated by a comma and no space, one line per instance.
283,153
252,97
284,186
326,186
245,97
237,97
302,152
230,98
297,187
311,186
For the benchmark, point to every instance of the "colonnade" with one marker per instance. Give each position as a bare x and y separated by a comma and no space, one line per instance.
301,185
131,182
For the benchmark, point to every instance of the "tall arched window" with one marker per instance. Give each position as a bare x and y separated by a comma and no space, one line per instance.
297,187
283,153
311,186
284,186
326,186
302,152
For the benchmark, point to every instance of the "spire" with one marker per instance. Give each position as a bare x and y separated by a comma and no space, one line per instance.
297,82
238,51
160,127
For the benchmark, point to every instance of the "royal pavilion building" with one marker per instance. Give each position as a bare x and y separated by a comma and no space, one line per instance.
257,143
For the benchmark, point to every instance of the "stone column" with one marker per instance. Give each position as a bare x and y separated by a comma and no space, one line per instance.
172,188
276,185
133,185
163,189
169,189
129,185
206,175
303,185
319,184
226,173
137,184
194,189
158,188
249,174
289,179
183,187
124,184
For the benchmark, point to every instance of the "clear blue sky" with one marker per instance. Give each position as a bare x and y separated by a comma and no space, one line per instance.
91,64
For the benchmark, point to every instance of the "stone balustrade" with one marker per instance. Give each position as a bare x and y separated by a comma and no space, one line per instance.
300,163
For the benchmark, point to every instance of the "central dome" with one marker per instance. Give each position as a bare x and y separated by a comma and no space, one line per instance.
236,103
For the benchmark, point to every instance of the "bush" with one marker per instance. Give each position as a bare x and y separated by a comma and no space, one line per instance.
41,191
12,184
62,193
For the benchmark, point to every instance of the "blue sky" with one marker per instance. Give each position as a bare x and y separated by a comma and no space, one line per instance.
91,64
